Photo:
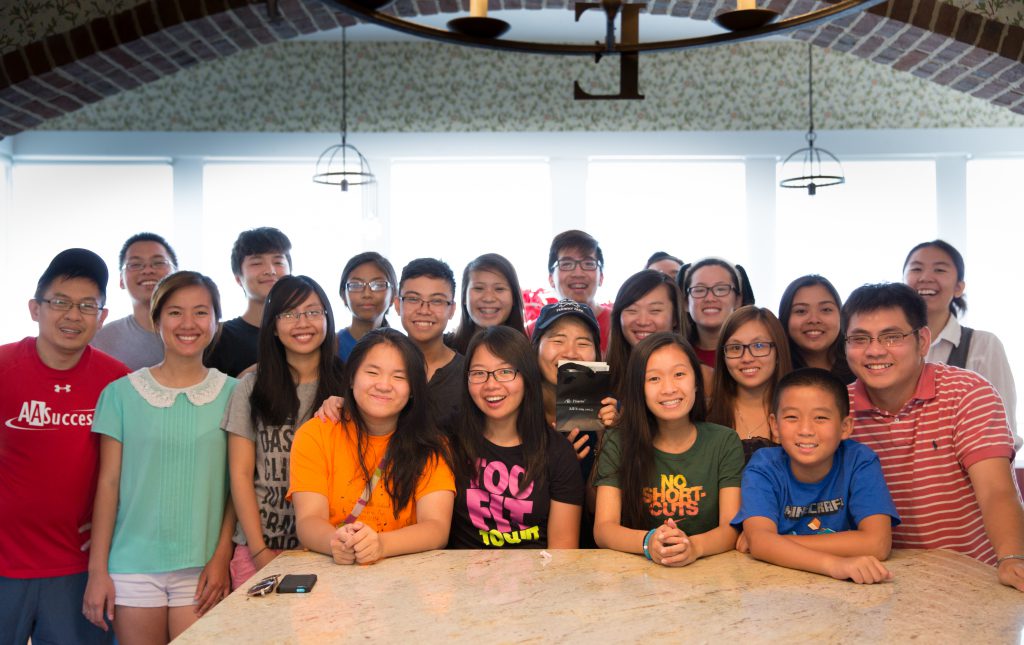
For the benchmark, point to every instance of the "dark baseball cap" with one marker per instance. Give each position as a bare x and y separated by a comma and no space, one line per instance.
75,263
550,313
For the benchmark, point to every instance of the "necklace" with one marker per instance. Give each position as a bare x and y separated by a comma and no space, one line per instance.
751,431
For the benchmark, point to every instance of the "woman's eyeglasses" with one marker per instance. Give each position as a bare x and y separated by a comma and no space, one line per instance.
758,349
263,587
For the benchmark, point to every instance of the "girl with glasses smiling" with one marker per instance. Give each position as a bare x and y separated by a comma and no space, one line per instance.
753,355
298,366
517,481
713,289
367,288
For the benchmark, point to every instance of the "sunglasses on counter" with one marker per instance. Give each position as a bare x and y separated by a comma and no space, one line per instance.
263,587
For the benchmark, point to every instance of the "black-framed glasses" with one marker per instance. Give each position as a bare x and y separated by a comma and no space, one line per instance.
501,375
432,303
312,315
156,265
757,349
263,587
568,264
62,304
720,290
888,339
359,285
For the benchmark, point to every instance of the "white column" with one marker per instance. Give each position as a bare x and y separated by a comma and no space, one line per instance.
760,188
188,212
951,200
568,194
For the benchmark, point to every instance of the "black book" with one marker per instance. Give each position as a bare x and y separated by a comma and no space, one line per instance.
581,387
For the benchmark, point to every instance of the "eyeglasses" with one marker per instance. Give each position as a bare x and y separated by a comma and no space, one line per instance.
433,303
720,290
295,316
156,265
359,285
263,587
503,375
759,349
60,304
888,339
568,264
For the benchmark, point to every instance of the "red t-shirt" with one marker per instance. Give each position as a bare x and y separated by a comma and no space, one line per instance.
50,459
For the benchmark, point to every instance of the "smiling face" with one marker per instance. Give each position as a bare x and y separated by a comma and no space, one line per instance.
366,305
651,313
424,322
669,384
380,385
890,374
751,372
711,311
187,322
489,298
809,426
567,339
141,283
578,283
931,272
813,319
499,401
260,272
66,333
302,336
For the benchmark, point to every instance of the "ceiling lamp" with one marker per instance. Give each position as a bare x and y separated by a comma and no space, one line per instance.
811,168
342,164
745,23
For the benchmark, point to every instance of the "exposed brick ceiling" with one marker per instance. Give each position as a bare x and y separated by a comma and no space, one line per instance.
44,79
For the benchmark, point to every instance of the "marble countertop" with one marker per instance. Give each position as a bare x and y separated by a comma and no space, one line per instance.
600,596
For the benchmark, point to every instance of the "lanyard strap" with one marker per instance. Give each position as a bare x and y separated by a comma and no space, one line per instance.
364,499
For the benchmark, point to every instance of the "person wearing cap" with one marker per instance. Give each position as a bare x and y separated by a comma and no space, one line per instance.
145,259
49,386
575,271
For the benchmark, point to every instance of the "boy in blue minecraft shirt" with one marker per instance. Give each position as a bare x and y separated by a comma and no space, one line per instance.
818,502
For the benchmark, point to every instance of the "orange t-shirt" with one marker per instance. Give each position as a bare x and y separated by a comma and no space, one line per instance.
323,460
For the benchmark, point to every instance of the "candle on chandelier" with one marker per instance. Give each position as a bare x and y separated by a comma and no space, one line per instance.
478,8
746,4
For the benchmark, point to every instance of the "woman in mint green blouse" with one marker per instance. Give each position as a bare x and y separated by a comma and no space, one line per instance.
162,524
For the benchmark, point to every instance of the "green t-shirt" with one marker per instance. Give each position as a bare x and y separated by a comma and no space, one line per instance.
173,470
682,486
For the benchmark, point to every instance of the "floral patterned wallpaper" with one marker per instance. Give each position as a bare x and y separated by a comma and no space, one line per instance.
1010,12
25,21
427,87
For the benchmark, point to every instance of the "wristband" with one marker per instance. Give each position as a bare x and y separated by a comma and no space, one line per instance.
647,541
253,555
1009,557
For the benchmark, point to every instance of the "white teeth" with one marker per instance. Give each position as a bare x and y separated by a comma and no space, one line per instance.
814,333
806,445
67,330
927,292
671,402
878,366
750,370
488,311
640,335
423,323
578,285
711,310
494,399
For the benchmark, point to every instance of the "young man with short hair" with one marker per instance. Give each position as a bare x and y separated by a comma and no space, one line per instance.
426,302
939,431
817,502
49,386
145,258
259,258
575,271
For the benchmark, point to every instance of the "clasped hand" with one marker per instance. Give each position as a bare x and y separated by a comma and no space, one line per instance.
671,547
356,543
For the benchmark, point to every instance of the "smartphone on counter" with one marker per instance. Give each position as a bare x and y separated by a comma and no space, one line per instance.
296,583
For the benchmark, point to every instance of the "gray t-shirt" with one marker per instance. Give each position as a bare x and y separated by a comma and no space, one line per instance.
128,342
273,447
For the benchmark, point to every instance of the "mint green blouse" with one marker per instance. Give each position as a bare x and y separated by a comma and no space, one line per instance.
174,480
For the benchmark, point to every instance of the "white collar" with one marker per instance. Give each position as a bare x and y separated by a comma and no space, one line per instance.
951,332
161,396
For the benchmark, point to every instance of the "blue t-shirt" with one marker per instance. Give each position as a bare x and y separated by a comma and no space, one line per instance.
852,490
345,343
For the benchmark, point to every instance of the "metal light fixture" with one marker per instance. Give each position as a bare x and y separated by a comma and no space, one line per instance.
811,167
342,164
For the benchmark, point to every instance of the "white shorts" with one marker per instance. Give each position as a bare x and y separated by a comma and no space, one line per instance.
170,589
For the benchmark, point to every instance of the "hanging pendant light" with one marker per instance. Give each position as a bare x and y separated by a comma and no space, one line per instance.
342,164
811,167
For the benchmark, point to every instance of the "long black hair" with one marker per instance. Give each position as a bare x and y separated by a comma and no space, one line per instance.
416,441
634,288
638,426
837,350
513,347
274,400
467,326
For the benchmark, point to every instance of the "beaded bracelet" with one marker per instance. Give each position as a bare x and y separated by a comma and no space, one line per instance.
1009,557
647,541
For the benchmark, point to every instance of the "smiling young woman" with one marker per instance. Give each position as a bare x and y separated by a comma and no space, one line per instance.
809,312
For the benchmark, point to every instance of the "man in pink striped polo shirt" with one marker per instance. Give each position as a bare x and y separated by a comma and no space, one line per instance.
939,431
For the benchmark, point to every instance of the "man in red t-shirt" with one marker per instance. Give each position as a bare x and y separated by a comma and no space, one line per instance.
48,391
939,431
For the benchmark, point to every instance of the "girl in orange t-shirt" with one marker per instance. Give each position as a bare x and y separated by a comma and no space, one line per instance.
385,427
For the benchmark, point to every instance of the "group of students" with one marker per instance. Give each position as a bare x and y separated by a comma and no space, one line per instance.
142,486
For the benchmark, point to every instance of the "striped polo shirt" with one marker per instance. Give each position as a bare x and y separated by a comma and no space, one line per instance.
954,420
